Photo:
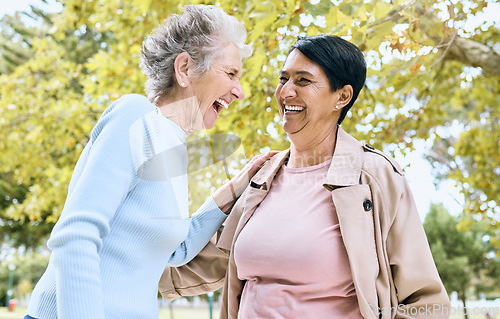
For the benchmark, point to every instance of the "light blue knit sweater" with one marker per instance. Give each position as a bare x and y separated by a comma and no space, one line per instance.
125,218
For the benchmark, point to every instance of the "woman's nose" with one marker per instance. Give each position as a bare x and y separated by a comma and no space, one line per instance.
287,91
237,91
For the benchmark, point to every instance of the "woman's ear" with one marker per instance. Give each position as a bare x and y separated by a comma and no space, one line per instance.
182,65
345,96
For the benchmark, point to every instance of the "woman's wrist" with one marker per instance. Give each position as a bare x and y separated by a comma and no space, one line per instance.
225,197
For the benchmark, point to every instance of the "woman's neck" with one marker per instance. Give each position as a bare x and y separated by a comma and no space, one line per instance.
305,153
184,112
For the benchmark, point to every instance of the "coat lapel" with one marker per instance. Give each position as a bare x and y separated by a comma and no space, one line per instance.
347,161
356,223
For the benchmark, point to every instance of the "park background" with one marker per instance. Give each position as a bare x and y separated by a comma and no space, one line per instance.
431,100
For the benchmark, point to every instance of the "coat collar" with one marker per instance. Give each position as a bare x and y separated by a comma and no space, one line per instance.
345,169
347,161
264,177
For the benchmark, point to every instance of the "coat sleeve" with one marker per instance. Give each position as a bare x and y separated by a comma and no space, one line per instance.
207,271
420,292
203,274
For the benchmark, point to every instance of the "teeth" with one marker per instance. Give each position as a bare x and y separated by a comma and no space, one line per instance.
294,108
223,103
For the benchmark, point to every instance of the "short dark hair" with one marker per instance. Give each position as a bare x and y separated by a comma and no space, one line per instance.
342,62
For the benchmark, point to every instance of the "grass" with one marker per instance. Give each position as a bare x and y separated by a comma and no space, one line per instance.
187,313
180,312
5,314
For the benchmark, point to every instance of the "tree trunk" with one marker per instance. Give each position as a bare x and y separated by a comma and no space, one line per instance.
463,298
171,308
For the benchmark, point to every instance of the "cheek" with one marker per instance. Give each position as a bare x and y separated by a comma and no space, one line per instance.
225,81
277,98
277,92
206,109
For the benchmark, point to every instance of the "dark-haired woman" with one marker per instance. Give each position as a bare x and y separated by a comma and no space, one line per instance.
326,229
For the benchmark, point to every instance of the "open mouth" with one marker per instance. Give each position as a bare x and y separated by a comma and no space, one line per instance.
293,109
219,104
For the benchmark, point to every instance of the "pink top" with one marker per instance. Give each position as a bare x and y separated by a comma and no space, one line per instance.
291,253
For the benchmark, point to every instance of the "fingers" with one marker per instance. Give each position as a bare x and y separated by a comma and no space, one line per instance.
263,157
240,181
258,161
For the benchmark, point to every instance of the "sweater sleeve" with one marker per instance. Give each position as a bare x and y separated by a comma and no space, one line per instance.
204,224
102,179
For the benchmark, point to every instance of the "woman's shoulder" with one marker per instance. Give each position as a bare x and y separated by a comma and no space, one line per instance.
123,112
134,97
378,164
130,103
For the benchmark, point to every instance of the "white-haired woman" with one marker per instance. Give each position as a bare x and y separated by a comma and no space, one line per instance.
126,213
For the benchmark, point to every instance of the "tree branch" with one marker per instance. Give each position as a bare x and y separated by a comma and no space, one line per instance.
475,54
466,51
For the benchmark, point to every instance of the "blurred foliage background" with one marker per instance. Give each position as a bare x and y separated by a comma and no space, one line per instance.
434,73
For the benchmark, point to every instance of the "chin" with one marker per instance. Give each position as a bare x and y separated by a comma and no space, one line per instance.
208,124
289,128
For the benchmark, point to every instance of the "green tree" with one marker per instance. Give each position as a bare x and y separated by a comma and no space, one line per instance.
13,50
29,269
474,167
461,256
425,65
43,128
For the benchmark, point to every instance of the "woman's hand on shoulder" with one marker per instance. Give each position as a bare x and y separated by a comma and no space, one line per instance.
228,193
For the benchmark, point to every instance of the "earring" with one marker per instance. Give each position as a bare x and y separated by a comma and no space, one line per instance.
183,84
336,107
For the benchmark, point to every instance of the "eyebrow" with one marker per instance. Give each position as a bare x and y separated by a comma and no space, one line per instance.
297,73
234,70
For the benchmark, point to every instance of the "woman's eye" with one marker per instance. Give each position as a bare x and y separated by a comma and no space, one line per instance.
283,80
303,81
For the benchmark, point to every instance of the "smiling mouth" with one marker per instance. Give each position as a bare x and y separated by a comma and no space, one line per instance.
219,104
293,109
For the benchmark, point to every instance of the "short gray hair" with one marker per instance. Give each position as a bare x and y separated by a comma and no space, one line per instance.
201,31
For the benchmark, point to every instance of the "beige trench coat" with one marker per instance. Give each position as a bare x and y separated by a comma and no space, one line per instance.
392,267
